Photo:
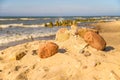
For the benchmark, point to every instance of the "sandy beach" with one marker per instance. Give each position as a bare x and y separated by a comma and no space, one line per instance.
68,63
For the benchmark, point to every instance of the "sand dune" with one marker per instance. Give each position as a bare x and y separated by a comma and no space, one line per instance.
68,63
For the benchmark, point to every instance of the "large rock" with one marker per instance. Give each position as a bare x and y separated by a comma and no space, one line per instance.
62,34
82,31
47,49
94,40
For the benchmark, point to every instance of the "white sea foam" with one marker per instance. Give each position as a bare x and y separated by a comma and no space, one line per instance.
13,38
35,25
21,25
15,34
10,25
2,19
4,26
28,19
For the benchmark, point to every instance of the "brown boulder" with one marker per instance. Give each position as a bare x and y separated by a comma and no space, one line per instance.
94,40
47,49
62,34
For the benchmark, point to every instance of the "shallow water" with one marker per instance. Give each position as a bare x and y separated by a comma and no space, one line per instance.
11,34
9,44
20,28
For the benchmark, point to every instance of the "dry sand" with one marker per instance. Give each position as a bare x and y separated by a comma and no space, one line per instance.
68,63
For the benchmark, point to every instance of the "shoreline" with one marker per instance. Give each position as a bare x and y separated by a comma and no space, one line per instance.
14,43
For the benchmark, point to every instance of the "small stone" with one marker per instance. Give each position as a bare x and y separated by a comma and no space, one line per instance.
20,56
17,68
87,54
81,51
9,72
2,52
34,52
33,67
46,69
62,50
97,63
0,70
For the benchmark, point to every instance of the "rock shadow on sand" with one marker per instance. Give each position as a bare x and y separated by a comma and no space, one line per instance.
109,48
62,50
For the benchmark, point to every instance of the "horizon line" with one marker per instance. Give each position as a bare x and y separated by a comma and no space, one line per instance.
60,16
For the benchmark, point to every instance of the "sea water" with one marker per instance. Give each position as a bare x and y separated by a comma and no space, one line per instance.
14,29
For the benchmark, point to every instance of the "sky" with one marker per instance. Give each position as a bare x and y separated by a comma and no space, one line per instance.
59,7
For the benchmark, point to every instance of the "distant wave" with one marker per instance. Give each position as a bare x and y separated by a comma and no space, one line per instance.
13,34
23,19
10,25
1,19
7,38
20,25
26,19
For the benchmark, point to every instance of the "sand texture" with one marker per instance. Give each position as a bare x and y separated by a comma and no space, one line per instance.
71,62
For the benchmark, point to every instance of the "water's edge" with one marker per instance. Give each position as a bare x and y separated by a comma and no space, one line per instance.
10,44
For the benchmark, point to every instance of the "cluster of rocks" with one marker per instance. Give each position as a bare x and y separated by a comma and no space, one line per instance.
90,36
63,23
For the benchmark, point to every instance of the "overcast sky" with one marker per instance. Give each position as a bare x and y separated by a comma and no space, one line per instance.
59,7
